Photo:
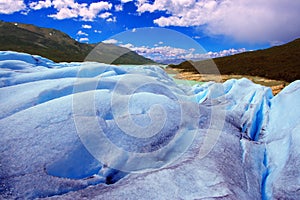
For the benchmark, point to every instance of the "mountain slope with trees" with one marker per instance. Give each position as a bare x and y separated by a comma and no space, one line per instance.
58,46
278,62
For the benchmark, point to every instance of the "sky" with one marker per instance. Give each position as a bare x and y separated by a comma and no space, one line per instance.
156,27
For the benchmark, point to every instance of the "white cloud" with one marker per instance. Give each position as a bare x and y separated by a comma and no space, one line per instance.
97,31
110,41
254,21
66,9
94,9
222,53
25,12
133,30
105,15
83,39
118,8
40,4
112,19
160,53
86,26
70,9
82,33
11,6
129,46
158,44
126,1
65,13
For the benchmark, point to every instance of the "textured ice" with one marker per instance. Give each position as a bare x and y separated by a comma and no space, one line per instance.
31,60
213,141
246,103
282,138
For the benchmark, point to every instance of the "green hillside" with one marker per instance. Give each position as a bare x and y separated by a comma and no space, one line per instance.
110,53
58,46
279,63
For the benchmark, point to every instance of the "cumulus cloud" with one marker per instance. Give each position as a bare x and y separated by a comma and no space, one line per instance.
83,39
97,31
118,8
110,41
254,21
126,1
158,44
40,4
128,46
105,15
11,6
82,33
112,19
91,12
160,53
64,13
70,9
86,26
25,12
222,53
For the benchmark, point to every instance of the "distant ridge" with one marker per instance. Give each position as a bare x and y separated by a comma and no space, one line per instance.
58,46
278,62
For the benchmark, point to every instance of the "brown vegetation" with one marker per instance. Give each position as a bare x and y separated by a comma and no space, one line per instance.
274,67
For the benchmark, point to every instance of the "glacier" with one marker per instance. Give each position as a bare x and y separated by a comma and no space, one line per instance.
97,131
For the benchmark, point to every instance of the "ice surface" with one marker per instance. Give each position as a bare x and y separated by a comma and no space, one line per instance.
245,102
27,58
70,130
282,138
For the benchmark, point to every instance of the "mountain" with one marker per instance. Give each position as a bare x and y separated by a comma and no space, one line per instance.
58,46
110,53
278,62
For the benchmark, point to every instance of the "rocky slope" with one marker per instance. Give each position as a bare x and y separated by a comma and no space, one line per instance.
58,46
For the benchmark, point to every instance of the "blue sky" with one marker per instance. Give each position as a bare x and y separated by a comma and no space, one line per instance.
221,27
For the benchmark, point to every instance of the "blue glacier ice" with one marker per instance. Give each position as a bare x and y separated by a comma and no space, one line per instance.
96,131
282,139
31,60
